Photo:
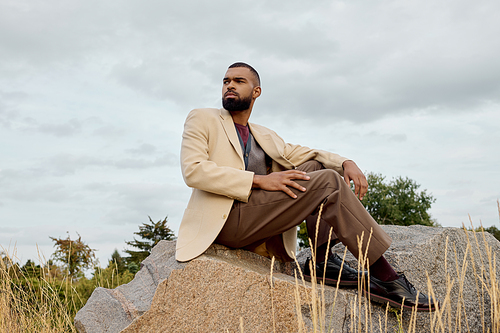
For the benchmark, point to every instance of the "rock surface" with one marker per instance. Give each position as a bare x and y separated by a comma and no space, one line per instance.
112,310
231,291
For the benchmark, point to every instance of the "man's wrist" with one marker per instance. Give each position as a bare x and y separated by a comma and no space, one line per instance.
256,181
343,166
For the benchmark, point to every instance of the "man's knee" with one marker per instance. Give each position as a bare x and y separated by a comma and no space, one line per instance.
310,166
329,175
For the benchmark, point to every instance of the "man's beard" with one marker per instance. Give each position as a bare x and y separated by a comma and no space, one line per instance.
237,104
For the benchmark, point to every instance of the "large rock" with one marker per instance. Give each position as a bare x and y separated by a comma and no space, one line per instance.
112,310
229,290
455,264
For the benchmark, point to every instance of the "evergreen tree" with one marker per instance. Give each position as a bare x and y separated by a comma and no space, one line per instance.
151,233
117,262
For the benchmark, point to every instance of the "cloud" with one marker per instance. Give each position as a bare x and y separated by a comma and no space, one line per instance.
389,137
72,127
132,202
8,230
8,115
109,131
143,149
12,176
54,192
35,35
13,120
168,159
67,164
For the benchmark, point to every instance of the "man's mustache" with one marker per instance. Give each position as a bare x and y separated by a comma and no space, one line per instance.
231,92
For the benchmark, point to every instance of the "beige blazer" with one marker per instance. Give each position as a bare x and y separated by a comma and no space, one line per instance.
213,166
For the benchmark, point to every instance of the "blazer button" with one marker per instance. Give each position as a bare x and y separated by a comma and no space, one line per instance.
224,216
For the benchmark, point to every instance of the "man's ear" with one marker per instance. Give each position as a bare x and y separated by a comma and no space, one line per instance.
256,92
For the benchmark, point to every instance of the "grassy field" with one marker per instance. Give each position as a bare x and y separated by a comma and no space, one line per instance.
43,299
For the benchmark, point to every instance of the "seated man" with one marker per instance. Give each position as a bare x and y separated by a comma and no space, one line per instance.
251,190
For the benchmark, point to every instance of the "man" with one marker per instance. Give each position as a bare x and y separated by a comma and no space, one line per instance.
251,190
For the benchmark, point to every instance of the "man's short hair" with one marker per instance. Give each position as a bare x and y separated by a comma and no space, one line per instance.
242,64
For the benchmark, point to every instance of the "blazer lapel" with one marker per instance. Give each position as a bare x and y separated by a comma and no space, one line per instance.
228,125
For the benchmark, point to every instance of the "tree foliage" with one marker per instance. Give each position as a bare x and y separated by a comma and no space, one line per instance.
74,254
492,230
397,201
150,233
302,236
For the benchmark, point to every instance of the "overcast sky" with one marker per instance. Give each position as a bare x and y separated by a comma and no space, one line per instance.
93,97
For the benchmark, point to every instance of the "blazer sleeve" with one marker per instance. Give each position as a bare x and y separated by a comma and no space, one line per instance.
295,155
209,169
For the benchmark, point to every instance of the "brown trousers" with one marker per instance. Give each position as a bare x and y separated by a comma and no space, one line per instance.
268,214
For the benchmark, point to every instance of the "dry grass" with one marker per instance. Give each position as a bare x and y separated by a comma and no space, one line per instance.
46,301
30,304
451,315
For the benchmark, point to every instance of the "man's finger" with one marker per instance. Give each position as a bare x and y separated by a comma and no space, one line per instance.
297,186
360,188
347,179
364,189
294,174
289,192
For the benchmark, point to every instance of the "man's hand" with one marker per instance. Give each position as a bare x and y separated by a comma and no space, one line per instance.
352,172
280,181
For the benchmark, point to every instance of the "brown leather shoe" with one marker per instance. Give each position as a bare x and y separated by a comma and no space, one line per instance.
399,293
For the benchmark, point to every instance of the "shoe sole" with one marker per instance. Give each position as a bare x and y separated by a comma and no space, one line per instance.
394,304
332,282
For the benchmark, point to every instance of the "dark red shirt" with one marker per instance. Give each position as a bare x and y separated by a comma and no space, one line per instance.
244,132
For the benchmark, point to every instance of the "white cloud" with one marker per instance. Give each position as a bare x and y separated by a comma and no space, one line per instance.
143,149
